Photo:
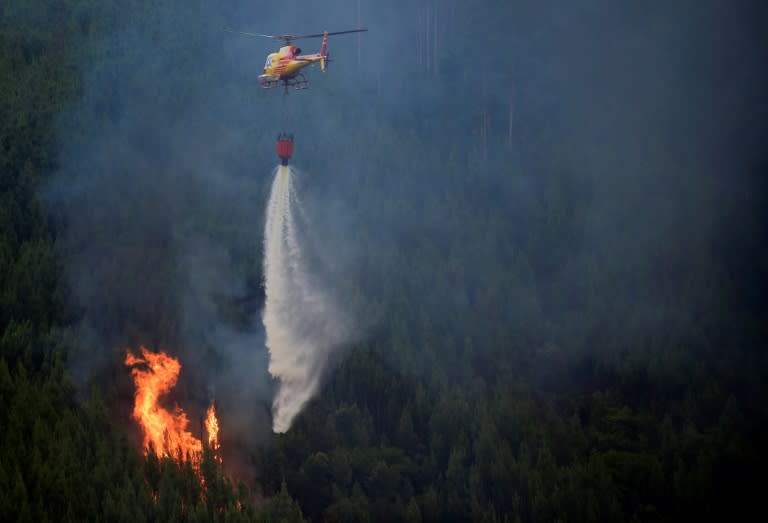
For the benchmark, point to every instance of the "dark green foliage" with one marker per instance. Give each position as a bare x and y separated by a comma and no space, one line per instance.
546,343
584,458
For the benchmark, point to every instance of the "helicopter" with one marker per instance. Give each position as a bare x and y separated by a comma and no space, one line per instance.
285,65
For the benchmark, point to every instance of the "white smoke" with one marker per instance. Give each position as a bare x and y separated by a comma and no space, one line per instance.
302,323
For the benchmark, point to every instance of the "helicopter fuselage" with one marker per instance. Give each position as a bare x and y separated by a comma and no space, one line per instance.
286,65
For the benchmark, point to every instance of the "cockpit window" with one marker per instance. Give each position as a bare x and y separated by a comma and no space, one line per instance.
269,62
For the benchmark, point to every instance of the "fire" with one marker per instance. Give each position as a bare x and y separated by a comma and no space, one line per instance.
155,374
212,428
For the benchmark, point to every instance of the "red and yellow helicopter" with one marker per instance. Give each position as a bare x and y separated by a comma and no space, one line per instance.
285,65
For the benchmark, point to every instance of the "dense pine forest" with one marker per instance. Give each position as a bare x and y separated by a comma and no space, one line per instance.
548,221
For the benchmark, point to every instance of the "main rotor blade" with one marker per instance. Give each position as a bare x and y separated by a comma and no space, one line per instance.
288,38
251,34
320,35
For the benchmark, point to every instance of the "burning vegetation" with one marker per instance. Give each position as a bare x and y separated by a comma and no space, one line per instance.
155,374
184,474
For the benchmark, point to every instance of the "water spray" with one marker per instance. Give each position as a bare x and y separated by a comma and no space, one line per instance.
303,325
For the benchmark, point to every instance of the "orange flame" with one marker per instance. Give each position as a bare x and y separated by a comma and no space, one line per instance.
212,428
167,431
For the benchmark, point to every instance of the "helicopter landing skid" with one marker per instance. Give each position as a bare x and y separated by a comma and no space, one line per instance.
269,81
299,82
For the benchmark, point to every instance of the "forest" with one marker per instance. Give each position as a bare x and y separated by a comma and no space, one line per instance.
547,220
